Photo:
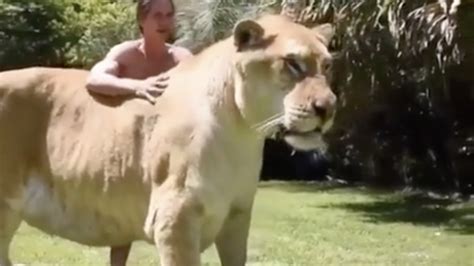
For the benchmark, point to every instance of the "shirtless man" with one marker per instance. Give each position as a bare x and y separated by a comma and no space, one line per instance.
133,68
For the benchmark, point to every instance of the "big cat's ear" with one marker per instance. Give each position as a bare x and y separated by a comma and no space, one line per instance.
325,32
247,33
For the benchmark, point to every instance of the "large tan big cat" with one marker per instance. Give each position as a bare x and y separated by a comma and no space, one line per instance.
181,174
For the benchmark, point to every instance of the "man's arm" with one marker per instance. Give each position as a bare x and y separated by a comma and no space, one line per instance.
104,76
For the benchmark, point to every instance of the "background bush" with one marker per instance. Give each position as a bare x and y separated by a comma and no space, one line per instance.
72,33
30,33
100,24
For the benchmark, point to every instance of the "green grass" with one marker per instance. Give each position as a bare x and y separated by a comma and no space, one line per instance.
309,224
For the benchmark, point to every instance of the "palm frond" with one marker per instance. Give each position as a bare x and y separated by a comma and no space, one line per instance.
205,22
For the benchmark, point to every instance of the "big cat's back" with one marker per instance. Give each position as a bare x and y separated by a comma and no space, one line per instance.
33,76
40,83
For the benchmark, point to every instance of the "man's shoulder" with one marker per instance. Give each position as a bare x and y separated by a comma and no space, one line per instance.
180,52
180,49
125,47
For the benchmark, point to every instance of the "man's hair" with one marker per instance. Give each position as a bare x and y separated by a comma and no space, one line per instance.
144,7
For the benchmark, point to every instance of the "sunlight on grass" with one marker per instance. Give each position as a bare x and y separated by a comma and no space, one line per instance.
309,224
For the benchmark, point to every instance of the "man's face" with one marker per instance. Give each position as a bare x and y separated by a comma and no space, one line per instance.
159,22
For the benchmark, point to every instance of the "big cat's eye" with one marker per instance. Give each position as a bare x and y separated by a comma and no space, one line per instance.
326,66
295,67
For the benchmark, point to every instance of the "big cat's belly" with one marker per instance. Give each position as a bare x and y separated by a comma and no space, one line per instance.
85,213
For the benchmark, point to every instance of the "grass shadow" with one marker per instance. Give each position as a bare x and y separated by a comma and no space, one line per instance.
308,186
417,210
389,206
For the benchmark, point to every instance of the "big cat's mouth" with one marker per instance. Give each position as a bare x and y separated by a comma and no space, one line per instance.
284,132
302,140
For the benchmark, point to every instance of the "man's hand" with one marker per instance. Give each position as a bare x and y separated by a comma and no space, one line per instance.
152,87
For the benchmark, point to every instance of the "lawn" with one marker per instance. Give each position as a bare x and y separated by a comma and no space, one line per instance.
311,224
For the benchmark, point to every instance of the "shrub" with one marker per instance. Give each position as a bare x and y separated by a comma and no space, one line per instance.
66,33
100,24
30,33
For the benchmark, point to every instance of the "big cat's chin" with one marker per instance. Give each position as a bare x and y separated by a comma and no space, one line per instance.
306,141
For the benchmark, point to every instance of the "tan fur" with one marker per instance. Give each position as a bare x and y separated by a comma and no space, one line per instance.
181,174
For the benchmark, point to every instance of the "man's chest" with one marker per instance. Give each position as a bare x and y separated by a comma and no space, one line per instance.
141,68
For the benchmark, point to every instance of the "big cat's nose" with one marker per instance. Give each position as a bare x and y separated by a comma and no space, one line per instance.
325,106
319,109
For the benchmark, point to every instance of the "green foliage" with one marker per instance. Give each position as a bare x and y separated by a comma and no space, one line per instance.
418,37
100,24
62,32
30,33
